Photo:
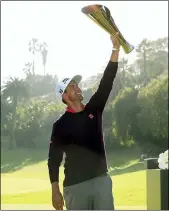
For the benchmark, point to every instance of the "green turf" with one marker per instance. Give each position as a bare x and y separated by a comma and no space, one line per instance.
30,183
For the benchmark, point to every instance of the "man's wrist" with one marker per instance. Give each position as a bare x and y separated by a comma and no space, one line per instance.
55,190
114,55
116,48
55,185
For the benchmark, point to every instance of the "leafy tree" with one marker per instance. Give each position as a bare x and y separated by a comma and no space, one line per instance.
123,106
14,91
152,59
153,115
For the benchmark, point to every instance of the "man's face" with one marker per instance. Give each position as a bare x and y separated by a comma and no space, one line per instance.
73,93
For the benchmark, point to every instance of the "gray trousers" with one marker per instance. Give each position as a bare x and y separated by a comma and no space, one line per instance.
94,194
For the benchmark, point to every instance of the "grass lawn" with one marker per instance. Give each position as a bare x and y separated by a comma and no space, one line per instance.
25,178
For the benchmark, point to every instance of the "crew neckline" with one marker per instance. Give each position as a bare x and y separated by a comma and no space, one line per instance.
70,110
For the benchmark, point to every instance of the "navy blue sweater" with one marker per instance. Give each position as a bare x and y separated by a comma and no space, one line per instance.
80,136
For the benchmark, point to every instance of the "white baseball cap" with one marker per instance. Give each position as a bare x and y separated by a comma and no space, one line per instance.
62,85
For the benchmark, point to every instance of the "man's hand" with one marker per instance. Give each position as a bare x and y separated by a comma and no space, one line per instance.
116,45
115,41
57,200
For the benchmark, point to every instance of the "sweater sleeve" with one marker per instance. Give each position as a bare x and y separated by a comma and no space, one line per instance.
55,155
99,99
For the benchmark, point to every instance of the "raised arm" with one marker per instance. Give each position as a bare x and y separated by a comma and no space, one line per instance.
54,160
99,99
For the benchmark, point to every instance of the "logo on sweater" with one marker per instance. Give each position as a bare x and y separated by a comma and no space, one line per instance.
91,116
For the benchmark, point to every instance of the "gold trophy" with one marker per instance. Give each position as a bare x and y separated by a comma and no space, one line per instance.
102,16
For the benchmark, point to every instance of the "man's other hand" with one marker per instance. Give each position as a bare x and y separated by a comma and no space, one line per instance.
57,200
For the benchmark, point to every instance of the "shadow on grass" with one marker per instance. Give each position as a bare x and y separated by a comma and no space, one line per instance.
13,160
124,161
128,169
121,161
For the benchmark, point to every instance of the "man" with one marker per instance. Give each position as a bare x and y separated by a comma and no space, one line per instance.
78,134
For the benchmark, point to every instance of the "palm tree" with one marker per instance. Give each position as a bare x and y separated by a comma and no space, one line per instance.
44,53
14,91
34,46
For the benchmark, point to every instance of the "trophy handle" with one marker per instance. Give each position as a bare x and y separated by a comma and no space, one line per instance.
107,12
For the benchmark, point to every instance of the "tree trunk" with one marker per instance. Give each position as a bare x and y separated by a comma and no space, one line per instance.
145,71
33,67
44,69
123,73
